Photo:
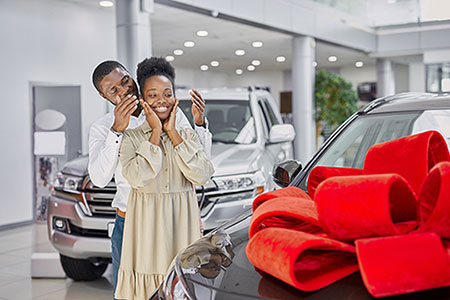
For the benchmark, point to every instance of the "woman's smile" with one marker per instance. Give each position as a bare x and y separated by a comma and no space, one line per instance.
160,109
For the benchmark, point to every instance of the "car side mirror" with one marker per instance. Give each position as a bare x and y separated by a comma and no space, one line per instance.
285,171
281,133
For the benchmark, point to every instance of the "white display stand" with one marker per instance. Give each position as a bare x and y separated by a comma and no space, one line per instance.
49,143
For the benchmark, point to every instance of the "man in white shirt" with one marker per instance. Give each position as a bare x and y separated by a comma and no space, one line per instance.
114,83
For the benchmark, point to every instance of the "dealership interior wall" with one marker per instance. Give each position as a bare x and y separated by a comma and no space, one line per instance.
52,42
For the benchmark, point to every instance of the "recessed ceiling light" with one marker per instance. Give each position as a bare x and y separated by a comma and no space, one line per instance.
178,52
391,1
251,68
170,58
314,64
332,58
202,33
256,62
257,44
239,71
204,68
359,64
239,52
189,44
281,59
215,63
106,3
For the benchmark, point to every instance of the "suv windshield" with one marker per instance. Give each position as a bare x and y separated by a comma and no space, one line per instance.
349,149
230,121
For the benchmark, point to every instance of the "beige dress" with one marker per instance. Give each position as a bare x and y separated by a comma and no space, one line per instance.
162,210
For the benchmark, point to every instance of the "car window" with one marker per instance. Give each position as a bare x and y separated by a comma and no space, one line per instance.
270,113
349,149
230,121
438,120
265,119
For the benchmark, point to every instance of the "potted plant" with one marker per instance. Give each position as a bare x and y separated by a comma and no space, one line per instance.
335,101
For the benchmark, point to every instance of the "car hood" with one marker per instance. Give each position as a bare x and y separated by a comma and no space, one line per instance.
77,166
237,278
233,158
226,158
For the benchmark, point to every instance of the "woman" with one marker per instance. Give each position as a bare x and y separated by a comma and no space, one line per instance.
161,163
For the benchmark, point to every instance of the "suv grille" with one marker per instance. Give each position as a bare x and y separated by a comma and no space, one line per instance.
99,199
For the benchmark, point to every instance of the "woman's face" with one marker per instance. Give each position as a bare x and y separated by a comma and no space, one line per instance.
158,93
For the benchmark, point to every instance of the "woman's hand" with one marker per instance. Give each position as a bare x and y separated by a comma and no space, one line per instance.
169,123
151,117
154,122
169,126
198,107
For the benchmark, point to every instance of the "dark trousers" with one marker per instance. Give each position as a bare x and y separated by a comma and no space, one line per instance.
116,245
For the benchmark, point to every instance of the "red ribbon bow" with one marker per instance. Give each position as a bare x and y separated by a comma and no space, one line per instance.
369,219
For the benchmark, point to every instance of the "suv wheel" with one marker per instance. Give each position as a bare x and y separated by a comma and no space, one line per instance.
82,269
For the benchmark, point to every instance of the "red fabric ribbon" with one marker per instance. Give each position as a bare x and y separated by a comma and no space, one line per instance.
309,243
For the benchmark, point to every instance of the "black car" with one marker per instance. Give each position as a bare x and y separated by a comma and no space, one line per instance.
216,266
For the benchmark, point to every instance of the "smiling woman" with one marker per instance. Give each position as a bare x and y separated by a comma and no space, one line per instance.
161,163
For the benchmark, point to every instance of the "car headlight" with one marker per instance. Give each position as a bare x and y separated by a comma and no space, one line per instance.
67,183
248,181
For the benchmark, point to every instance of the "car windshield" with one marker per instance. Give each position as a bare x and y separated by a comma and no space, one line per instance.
349,149
230,121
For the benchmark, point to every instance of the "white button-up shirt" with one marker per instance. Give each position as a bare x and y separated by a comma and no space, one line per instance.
104,146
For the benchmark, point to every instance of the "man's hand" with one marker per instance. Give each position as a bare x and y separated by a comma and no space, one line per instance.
169,123
122,112
198,107
151,117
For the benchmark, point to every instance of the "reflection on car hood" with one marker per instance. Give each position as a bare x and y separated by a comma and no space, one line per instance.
233,158
77,166
237,278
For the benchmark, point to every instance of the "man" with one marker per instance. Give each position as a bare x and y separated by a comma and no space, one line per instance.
114,83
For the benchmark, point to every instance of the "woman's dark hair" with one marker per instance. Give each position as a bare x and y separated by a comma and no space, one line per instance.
154,66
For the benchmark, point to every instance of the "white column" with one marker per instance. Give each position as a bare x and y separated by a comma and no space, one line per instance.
303,55
417,78
134,40
385,78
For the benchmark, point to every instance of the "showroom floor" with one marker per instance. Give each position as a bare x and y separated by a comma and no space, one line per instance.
16,247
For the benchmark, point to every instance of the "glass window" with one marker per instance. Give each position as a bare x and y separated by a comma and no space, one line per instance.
265,119
438,78
349,149
230,121
270,113
438,120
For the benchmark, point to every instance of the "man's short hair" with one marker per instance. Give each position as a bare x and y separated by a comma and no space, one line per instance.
154,66
103,69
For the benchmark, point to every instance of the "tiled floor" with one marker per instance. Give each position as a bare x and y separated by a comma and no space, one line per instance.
16,247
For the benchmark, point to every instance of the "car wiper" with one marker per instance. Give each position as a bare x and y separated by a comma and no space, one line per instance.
216,140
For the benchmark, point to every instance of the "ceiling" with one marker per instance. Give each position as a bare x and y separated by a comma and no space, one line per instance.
171,27
378,13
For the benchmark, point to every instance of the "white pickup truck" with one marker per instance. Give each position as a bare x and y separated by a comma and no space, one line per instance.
248,139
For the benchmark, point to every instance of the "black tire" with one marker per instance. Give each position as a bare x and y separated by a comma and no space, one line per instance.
82,269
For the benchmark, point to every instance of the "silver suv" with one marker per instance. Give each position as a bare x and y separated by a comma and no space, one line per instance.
248,138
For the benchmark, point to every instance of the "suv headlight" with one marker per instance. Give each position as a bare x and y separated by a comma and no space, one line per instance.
68,183
248,181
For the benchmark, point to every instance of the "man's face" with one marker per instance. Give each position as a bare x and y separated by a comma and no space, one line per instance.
117,85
